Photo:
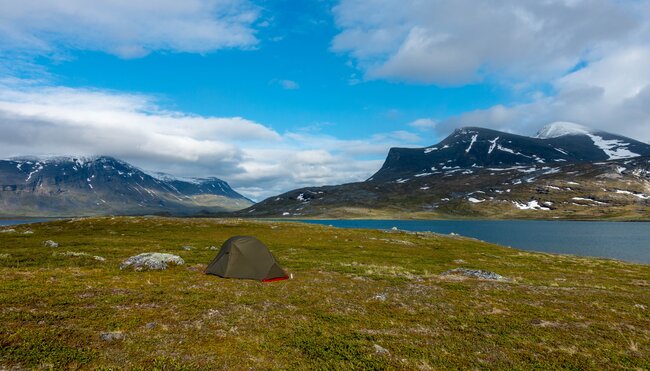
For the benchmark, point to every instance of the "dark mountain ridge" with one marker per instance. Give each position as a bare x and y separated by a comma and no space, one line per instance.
474,147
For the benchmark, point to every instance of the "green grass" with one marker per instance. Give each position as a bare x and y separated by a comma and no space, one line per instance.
352,289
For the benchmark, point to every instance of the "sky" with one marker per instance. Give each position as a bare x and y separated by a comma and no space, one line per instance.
272,95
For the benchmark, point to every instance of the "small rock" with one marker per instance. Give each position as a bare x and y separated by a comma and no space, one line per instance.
475,273
4,256
381,350
50,243
460,261
11,230
187,248
213,248
151,260
111,336
150,325
28,232
392,229
380,297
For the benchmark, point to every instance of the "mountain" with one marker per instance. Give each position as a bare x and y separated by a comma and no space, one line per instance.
473,147
566,171
74,186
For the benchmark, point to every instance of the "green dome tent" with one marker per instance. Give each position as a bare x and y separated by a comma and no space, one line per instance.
246,257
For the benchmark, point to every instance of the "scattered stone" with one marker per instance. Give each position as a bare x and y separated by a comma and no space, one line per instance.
392,229
28,232
152,261
475,273
80,254
380,297
187,248
111,336
381,350
11,230
50,243
460,261
151,325
213,248
453,234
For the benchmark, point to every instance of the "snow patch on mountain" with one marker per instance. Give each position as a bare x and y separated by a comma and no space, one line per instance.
471,143
560,129
615,149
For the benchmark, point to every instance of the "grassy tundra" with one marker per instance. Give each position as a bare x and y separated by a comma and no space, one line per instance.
359,299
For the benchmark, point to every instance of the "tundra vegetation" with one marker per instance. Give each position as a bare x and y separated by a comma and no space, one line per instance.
359,299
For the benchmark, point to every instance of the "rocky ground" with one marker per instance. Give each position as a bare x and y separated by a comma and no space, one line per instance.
359,299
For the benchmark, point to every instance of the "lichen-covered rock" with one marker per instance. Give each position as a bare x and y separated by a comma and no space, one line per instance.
380,350
50,243
151,261
111,336
475,273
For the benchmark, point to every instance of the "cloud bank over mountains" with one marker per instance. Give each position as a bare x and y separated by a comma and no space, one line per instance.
259,161
590,56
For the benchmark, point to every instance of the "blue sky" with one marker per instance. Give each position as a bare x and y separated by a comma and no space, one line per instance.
273,95
294,48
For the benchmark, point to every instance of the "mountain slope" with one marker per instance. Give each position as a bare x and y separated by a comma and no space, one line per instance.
68,186
474,147
484,173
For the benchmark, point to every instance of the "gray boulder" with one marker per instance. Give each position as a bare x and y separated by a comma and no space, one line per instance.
475,273
50,243
151,261
111,336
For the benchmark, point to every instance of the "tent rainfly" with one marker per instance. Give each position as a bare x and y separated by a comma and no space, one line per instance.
246,257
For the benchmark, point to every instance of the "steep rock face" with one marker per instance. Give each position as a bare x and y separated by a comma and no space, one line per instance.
69,186
474,147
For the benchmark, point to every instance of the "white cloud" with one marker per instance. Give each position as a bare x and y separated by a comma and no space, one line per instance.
612,94
424,124
289,84
37,119
464,41
127,29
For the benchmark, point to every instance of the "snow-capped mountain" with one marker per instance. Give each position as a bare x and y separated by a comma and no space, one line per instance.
473,147
64,186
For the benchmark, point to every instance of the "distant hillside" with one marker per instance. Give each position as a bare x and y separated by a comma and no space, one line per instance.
73,186
566,171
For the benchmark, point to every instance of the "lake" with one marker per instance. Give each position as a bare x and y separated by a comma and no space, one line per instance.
628,241
23,221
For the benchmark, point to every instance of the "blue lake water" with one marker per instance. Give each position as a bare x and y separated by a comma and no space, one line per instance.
22,221
619,240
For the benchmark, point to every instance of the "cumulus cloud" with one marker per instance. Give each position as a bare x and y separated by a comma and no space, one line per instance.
612,94
424,124
127,29
464,41
57,121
